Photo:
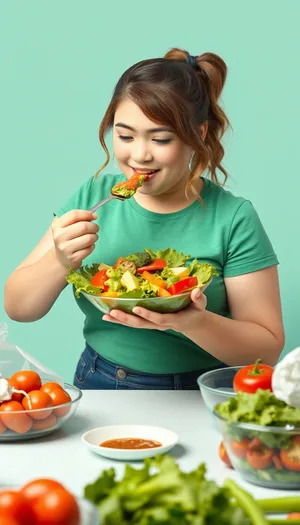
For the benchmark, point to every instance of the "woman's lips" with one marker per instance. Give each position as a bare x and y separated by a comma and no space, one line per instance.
150,173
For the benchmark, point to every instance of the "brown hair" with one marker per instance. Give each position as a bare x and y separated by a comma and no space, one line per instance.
171,92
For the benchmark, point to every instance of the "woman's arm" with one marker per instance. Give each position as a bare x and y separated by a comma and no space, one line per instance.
255,329
34,286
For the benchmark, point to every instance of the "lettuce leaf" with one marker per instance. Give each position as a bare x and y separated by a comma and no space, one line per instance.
81,279
171,256
169,276
160,493
203,271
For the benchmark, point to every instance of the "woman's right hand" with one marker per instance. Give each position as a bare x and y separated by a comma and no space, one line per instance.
74,235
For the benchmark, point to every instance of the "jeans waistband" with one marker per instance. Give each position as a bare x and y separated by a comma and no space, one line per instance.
121,373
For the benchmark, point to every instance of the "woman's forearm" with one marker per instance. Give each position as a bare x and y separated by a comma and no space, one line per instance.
234,342
31,290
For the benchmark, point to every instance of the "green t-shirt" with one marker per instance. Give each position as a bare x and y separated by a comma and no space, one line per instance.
226,232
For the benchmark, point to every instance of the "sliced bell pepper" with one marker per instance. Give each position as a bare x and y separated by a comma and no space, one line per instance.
109,294
163,293
157,264
153,279
99,280
183,286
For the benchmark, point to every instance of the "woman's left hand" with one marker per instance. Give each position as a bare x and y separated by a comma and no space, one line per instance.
149,320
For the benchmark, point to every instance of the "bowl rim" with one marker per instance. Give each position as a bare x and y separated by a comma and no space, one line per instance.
168,298
211,372
77,391
288,429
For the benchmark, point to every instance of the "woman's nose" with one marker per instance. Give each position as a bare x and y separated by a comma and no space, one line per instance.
141,152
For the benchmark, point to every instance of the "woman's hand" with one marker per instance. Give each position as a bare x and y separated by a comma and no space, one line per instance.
74,235
179,321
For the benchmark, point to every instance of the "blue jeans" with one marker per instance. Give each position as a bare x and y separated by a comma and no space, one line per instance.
93,372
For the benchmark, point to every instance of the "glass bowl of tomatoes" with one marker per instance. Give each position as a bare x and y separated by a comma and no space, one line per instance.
35,407
268,456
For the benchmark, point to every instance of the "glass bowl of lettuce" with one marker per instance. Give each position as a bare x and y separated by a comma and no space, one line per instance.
160,281
261,435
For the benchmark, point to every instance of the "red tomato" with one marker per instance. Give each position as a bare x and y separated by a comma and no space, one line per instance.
14,505
183,286
157,264
57,507
39,400
50,386
99,279
3,428
239,448
260,458
43,424
223,455
60,397
7,520
290,457
18,422
251,377
39,487
26,380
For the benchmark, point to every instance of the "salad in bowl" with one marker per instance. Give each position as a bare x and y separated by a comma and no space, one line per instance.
160,280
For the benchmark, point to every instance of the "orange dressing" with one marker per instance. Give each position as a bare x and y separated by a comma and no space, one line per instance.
130,443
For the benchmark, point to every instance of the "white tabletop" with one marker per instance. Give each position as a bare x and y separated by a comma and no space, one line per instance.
62,455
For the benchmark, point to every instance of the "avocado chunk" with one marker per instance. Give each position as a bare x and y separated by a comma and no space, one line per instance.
130,281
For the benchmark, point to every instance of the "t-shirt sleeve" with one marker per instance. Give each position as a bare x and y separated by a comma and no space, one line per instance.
249,247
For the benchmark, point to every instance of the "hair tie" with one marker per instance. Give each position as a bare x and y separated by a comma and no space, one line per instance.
192,61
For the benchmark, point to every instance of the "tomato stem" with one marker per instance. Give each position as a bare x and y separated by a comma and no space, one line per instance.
256,371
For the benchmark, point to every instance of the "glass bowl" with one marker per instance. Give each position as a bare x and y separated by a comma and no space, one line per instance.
163,305
216,386
89,514
267,456
42,421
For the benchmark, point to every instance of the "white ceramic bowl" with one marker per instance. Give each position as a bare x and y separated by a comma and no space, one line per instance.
94,437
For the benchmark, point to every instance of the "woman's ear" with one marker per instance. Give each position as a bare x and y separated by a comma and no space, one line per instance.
203,130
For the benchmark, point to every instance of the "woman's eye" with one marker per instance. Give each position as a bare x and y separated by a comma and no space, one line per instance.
162,141
125,138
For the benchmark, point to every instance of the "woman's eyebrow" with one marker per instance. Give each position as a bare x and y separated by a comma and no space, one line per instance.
152,130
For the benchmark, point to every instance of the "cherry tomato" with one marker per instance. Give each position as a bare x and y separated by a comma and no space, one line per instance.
43,424
260,458
223,455
15,397
290,457
18,422
39,487
26,380
57,507
251,377
60,397
292,516
14,505
239,448
39,400
50,386
277,463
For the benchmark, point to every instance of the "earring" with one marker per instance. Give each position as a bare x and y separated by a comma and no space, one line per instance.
191,161
114,162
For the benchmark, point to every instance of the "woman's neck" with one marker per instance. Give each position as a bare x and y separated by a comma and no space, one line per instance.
169,203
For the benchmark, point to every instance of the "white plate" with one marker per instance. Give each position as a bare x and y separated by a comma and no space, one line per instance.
94,437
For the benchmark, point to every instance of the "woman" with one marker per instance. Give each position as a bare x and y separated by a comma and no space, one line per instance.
166,120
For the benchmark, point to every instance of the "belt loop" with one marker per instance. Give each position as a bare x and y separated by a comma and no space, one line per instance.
94,359
177,382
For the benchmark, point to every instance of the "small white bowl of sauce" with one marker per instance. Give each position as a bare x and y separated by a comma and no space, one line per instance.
130,442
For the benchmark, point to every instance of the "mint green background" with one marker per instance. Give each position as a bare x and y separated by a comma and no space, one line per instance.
59,64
